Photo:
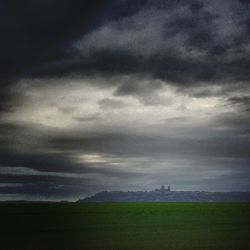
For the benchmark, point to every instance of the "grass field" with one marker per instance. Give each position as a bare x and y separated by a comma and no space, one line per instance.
113,226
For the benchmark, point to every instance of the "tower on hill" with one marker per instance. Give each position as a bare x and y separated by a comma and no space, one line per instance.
163,189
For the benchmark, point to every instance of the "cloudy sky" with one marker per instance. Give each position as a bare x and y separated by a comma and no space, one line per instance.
123,95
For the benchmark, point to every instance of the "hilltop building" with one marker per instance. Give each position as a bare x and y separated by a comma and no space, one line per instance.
163,189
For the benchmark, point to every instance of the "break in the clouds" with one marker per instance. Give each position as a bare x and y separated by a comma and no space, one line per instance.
108,95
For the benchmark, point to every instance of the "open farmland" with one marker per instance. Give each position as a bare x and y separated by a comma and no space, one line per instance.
169,226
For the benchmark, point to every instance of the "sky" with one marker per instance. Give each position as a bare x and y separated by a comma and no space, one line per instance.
123,95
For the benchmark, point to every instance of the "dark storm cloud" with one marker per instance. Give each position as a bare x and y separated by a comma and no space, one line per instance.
34,33
37,36
45,186
219,144
43,153
196,41
190,43
43,174
54,175
58,164
206,154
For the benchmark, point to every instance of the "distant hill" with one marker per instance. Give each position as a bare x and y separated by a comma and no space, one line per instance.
162,195
27,202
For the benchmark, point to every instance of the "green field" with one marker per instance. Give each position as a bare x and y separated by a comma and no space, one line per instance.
125,226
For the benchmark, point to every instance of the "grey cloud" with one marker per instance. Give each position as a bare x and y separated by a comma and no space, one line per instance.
235,122
241,102
88,118
67,110
111,103
136,86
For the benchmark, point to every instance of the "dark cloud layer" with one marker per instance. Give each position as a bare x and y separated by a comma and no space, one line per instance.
37,39
196,42
35,33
